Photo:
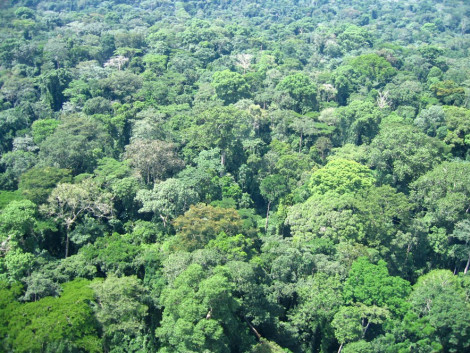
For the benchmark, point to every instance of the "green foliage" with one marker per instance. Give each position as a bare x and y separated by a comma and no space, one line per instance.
120,311
8,196
371,285
358,122
272,187
17,221
51,321
347,324
54,82
156,63
400,154
432,121
458,127
41,129
373,67
112,254
354,37
37,183
230,86
76,144
234,176
302,92
154,160
461,249
448,92
199,313
266,346
319,300
439,299
16,264
168,199
15,164
222,128
376,217
201,223
236,248
442,192
341,176
67,203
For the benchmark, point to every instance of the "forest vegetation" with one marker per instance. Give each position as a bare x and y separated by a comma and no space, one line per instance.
235,176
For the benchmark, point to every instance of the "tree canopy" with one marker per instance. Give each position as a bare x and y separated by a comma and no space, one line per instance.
234,176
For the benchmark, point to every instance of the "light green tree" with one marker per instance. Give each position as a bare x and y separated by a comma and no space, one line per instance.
121,310
68,202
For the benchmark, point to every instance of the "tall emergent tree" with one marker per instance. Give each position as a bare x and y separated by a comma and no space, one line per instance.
68,202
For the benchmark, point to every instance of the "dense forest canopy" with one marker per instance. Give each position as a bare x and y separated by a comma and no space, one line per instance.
235,176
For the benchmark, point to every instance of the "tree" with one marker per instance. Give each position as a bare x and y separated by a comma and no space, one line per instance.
266,346
462,234
449,92
168,199
354,37
377,217
272,188
200,314
76,144
244,61
457,120
53,83
17,221
39,285
320,297
201,223
51,322
11,120
372,70
204,177
323,145
41,129
302,91
15,164
155,62
347,325
68,202
441,301
121,311
304,126
120,85
341,176
401,154
37,183
154,160
113,255
432,121
230,86
443,193
223,128
358,122
371,285
57,52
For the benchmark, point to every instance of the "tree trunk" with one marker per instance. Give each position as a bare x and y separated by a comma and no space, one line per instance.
340,348
365,329
468,265
67,242
267,217
258,336
222,162
164,220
